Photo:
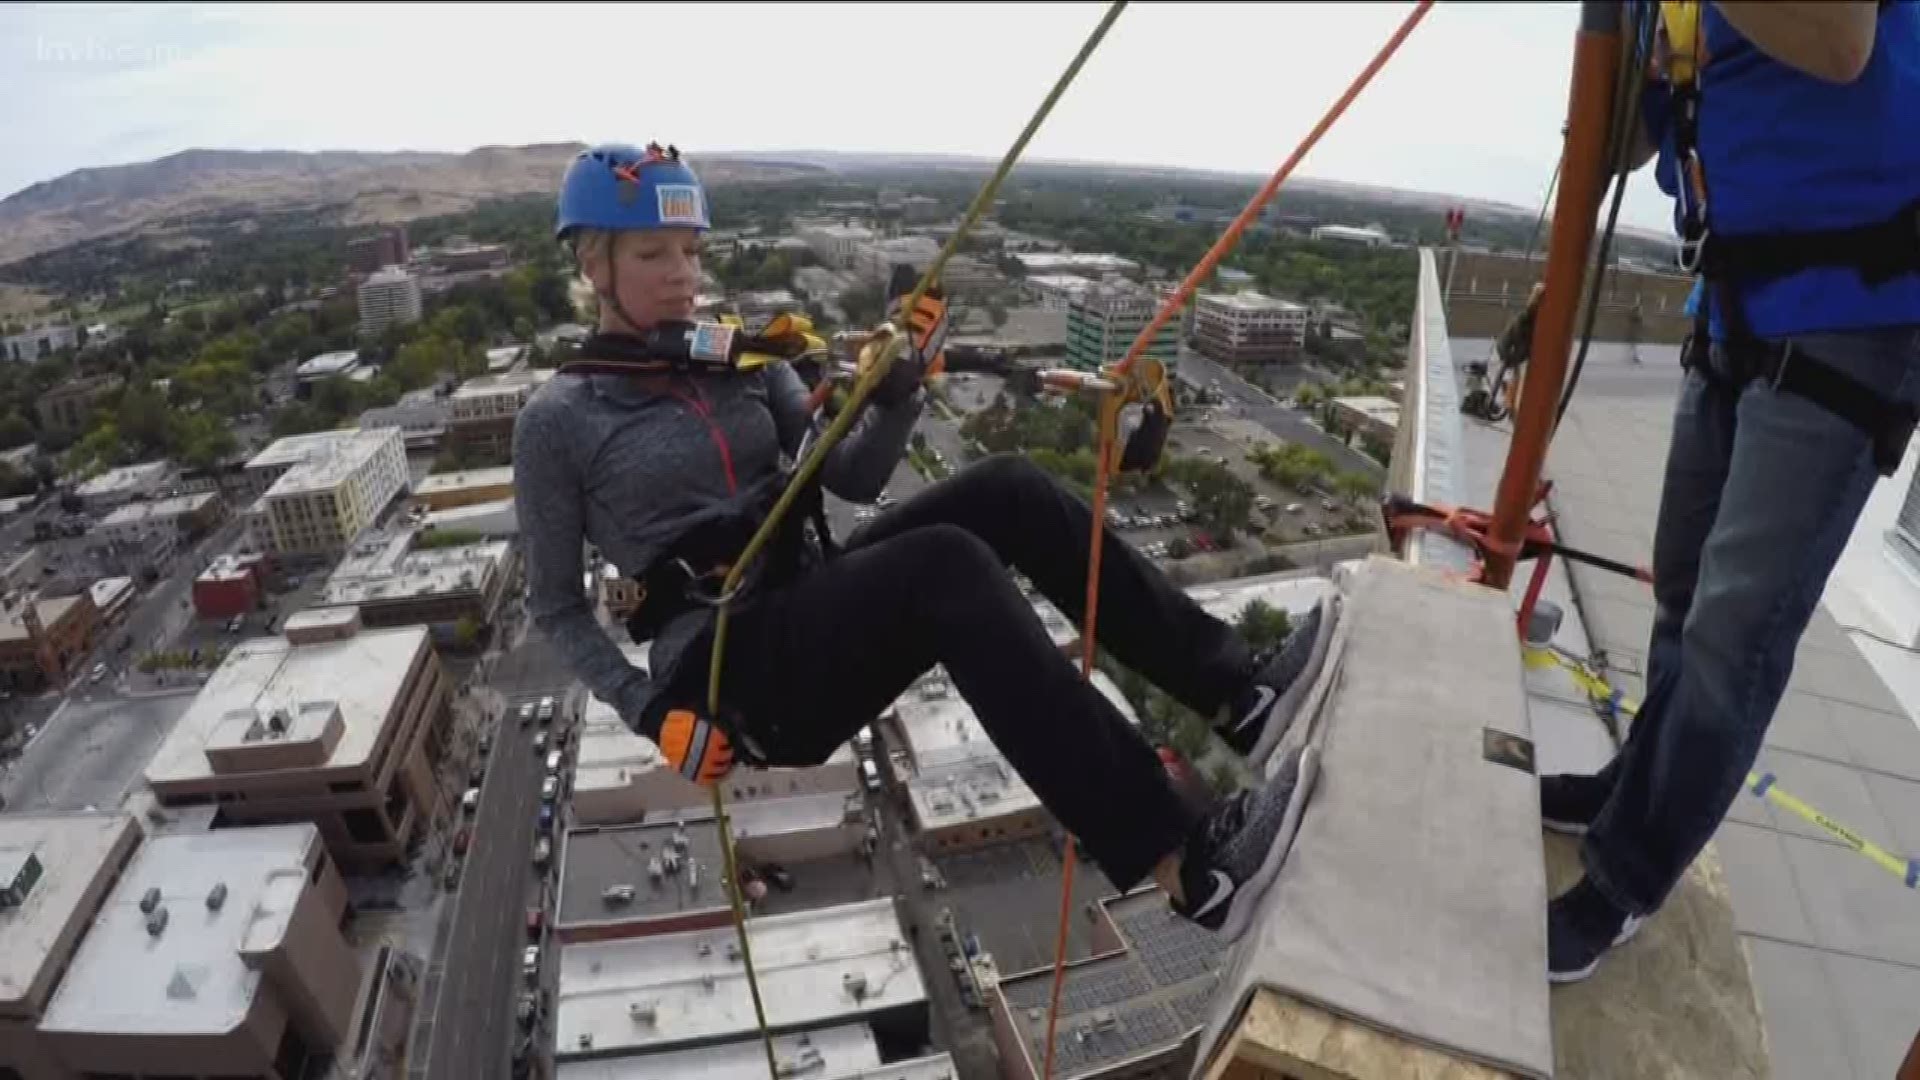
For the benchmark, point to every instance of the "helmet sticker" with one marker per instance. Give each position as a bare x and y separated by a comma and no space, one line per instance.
680,204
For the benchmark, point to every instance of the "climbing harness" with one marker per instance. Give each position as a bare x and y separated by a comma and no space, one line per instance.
877,357
1612,704
1726,264
699,348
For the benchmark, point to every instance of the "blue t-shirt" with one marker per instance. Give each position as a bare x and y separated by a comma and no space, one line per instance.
1784,151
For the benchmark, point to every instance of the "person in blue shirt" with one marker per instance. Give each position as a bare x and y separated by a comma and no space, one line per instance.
1794,160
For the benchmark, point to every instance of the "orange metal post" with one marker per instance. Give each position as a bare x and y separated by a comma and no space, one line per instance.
1596,63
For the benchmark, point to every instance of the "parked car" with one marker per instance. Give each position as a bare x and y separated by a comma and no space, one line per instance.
870,775
546,817
550,789
540,742
778,875
471,800
523,1010
530,963
526,714
99,672
535,918
546,709
554,757
542,849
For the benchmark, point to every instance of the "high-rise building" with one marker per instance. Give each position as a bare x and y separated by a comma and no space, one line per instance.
480,429
388,247
1103,321
836,245
327,486
1247,327
389,297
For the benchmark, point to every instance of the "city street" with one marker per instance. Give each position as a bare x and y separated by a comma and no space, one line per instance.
1262,408
91,752
474,975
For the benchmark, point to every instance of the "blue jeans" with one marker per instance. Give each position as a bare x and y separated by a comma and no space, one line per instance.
1762,489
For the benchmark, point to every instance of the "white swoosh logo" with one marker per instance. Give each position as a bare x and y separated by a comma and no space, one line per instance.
1267,694
1222,889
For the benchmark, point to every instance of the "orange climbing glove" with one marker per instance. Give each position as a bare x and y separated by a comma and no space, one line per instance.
696,747
923,354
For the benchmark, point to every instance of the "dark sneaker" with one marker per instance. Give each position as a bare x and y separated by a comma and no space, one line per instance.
1263,712
1581,925
1236,851
1569,803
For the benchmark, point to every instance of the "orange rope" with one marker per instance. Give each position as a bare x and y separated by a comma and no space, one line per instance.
1103,464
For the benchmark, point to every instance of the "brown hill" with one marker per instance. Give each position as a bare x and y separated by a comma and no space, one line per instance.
350,187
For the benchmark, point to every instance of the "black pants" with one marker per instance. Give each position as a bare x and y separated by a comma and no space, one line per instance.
925,584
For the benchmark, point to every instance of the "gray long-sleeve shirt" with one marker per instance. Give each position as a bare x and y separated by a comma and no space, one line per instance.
630,465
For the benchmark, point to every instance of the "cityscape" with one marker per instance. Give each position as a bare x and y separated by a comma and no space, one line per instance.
293,788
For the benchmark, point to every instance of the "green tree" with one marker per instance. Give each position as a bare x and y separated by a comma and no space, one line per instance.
1355,487
15,430
201,440
1262,625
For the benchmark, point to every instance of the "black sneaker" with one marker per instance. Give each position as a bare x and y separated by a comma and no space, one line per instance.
1569,802
1264,710
1236,851
1581,925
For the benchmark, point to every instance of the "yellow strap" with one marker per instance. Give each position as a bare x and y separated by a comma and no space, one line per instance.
1761,785
1681,19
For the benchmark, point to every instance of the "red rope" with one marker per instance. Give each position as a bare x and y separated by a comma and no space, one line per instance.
1103,465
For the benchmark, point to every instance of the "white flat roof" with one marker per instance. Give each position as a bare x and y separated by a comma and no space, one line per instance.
1058,281
464,480
327,363
124,478
1379,408
510,382
500,517
838,1053
159,509
72,849
1252,301
1292,590
688,991
327,463
792,814
191,978
225,567
109,589
363,674
385,569
1043,262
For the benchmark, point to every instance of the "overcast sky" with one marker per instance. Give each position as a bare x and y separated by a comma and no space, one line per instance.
1472,104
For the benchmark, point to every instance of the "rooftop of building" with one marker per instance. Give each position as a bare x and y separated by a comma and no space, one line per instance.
126,478
1121,1005
322,463
672,869
362,674
1046,262
138,513
941,729
503,383
227,566
1251,302
109,589
227,895
14,628
496,517
815,968
1058,281
328,363
1353,232
1380,408
384,567
848,1052
72,849
388,275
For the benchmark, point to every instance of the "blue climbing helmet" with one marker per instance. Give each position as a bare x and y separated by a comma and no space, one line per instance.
616,186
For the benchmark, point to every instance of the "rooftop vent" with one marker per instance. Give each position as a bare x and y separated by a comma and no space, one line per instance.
149,900
856,985
156,921
643,1012
586,1040
217,897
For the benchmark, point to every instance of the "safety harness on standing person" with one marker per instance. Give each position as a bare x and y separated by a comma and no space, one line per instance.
1727,264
